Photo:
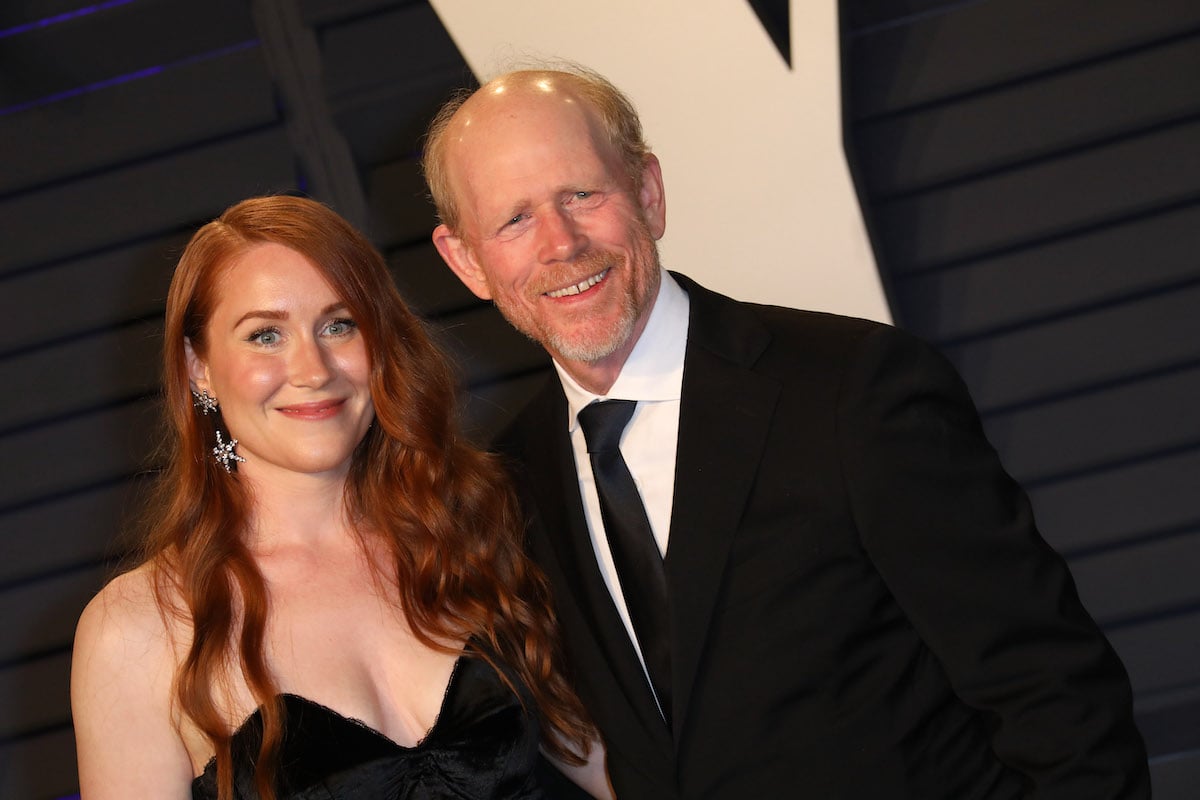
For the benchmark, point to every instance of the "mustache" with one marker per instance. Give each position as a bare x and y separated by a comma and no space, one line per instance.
586,264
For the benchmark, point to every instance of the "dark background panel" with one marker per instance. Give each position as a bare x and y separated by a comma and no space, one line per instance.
34,765
211,97
485,348
1080,352
1080,106
400,214
34,694
1029,172
1099,428
1070,275
82,373
77,452
40,615
1094,186
430,292
1162,654
1112,585
359,52
69,219
85,526
964,47
865,16
86,295
1131,502
119,41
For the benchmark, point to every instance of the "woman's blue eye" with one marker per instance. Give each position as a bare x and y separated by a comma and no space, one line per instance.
340,327
266,336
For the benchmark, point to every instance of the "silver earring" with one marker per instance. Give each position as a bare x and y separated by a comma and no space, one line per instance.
204,401
223,452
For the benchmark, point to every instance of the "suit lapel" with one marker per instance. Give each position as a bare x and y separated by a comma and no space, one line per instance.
724,418
551,478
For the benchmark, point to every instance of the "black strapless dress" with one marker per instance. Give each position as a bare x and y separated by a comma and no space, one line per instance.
484,744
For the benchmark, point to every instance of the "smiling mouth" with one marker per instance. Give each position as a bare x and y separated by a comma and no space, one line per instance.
582,286
318,410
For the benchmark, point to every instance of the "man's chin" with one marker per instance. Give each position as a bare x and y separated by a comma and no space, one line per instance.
587,349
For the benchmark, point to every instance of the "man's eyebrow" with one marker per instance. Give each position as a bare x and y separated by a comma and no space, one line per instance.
518,207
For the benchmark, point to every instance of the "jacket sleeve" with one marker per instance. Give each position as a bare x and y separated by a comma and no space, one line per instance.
953,537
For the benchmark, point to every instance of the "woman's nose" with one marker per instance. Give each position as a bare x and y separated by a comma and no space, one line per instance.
310,365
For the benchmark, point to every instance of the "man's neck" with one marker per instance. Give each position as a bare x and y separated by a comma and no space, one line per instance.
598,377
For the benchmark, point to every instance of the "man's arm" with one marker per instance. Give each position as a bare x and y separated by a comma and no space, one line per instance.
953,537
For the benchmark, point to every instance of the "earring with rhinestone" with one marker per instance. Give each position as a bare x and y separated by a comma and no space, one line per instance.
204,401
224,454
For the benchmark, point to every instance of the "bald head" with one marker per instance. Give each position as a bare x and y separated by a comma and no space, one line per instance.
574,91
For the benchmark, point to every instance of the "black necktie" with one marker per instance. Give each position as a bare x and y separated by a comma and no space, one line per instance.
635,551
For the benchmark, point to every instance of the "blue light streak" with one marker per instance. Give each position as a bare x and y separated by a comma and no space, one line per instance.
64,17
126,78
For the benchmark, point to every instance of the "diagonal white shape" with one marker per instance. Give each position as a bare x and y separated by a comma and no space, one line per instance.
760,201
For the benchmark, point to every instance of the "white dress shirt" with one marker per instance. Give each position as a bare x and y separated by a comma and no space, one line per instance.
653,376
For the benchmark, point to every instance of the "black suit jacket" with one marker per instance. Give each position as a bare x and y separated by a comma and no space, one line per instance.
861,606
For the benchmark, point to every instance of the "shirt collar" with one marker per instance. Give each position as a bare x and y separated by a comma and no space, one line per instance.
654,370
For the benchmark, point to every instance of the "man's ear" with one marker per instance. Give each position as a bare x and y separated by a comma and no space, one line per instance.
197,369
652,198
458,256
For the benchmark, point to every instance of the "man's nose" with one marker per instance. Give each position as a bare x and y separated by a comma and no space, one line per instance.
559,236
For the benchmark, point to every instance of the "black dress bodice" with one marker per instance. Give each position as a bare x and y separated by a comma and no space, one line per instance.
484,744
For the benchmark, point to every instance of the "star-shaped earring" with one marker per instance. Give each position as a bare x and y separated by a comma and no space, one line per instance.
224,452
204,401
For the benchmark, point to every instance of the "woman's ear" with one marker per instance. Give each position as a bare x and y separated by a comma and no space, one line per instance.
197,369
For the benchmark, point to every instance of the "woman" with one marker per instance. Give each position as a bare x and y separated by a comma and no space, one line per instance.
332,599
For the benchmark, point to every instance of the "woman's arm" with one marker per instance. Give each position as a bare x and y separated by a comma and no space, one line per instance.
121,675
592,776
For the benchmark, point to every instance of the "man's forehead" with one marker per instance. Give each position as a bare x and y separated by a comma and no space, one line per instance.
511,100
490,125
532,82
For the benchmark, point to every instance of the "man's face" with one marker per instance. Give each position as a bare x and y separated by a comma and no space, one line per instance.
551,228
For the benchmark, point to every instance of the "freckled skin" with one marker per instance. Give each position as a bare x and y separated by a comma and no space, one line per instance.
287,364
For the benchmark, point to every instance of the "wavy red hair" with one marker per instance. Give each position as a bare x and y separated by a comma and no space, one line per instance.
444,508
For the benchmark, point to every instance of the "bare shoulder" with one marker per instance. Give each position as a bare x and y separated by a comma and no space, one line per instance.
124,621
122,672
125,647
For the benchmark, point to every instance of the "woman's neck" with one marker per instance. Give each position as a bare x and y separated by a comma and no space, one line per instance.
294,509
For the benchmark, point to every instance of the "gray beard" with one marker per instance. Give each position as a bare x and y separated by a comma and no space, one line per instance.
595,350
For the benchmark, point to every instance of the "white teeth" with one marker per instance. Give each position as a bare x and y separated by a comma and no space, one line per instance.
583,285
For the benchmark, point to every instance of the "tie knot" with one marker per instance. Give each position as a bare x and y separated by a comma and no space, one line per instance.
603,423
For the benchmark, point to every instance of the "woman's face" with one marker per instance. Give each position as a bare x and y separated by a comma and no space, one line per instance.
287,364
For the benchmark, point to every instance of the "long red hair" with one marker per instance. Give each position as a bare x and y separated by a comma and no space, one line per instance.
445,508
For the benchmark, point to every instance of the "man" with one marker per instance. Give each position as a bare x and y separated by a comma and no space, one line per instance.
847,596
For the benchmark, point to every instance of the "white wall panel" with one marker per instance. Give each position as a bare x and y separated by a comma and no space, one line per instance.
761,206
